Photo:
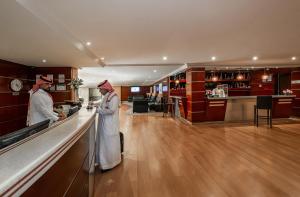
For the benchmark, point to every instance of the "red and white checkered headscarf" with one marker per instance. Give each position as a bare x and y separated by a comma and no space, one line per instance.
107,86
41,81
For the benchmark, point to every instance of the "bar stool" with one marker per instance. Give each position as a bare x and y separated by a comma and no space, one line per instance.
263,102
168,107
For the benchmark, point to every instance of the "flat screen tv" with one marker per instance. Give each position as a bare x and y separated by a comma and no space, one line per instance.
165,89
135,89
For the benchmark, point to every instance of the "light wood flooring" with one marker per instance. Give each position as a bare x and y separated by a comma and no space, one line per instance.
168,158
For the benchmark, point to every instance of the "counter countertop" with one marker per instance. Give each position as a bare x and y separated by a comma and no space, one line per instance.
20,162
178,97
249,97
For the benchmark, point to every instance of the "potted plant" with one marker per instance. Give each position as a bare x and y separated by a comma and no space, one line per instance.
74,84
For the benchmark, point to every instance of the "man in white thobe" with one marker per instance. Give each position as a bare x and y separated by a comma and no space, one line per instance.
108,154
41,104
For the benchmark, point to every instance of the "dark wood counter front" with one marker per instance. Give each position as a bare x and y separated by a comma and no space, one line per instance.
216,109
282,107
59,162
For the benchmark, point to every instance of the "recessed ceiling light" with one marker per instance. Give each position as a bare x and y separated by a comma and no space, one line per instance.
213,58
294,58
254,58
44,61
252,67
102,58
88,43
155,71
165,57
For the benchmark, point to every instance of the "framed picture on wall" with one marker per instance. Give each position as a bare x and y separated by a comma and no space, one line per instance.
61,87
61,78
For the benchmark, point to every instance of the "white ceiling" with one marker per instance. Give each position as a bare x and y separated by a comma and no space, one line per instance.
124,75
140,32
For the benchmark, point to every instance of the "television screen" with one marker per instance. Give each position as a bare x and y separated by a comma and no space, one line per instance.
135,89
165,88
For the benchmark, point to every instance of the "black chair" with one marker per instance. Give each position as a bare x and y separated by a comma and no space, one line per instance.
263,102
140,106
157,105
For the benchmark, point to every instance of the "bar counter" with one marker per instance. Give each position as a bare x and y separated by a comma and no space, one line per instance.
57,161
241,108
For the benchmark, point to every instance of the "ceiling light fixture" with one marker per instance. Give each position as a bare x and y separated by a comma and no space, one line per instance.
254,58
155,71
88,43
44,61
294,58
165,58
102,58
213,58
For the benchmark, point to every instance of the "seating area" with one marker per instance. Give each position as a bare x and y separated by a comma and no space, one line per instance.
140,104
151,102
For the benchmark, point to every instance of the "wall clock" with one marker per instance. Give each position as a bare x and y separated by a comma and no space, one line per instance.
16,85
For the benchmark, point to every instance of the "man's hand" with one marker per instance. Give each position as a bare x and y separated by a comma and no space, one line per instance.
61,116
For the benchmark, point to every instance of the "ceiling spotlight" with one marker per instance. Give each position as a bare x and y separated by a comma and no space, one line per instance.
44,61
155,71
88,43
102,58
294,58
255,58
213,58
165,57
252,67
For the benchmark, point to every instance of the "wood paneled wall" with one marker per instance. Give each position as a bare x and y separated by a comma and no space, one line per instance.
13,107
125,92
69,72
258,87
296,89
195,93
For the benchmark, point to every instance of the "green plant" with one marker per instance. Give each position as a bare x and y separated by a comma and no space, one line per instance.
75,83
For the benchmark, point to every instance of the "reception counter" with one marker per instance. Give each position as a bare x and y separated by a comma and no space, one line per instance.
241,108
58,161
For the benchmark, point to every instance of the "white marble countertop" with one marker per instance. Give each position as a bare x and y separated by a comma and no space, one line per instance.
18,162
249,97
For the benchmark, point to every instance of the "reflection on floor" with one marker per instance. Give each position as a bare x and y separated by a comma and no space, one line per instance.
165,157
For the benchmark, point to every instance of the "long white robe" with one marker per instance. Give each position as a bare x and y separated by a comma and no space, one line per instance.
108,153
40,108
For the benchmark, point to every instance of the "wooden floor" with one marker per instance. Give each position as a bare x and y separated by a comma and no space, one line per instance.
168,158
